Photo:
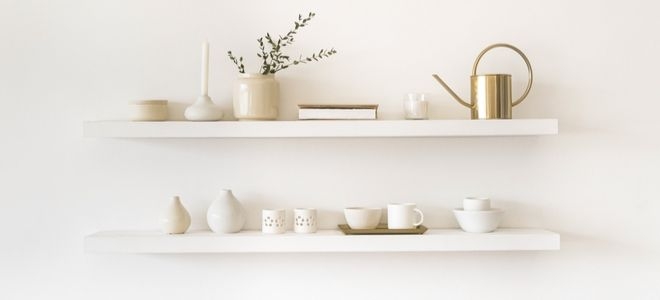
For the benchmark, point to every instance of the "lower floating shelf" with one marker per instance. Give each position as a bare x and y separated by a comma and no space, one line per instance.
324,241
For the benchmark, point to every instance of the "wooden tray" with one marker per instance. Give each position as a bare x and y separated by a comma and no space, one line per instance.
381,229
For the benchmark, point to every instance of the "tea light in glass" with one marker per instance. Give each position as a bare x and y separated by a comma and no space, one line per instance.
416,107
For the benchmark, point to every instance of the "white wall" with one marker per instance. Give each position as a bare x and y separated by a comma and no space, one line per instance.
596,183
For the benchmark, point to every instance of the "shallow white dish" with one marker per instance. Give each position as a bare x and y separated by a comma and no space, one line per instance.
362,217
478,221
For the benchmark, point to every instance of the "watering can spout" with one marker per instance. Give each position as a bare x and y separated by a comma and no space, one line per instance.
451,92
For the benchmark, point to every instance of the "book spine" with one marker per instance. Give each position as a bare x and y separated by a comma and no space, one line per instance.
336,114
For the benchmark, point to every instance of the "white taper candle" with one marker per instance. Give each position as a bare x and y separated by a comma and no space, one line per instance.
205,68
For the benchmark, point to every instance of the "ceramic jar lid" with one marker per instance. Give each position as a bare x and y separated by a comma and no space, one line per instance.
149,102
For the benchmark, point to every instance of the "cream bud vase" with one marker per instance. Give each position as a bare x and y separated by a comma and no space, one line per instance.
256,97
226,214
175,219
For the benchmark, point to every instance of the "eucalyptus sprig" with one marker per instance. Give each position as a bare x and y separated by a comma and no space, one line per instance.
238,62
273,59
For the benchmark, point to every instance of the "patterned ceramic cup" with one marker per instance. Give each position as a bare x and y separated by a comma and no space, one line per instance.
304,220
273,221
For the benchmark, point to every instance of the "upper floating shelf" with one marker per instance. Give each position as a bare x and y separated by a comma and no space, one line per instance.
315,129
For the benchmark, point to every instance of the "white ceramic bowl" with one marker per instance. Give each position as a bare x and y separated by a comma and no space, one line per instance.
362,217
478,221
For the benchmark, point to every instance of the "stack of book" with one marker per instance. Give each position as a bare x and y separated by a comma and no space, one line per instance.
337,112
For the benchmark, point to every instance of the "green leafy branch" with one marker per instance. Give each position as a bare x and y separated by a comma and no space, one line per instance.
238,62
315,57
273,59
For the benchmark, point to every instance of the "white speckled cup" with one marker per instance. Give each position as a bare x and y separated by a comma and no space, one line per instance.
304,220
273,221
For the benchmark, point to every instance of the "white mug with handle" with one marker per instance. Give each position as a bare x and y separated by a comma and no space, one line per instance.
402,216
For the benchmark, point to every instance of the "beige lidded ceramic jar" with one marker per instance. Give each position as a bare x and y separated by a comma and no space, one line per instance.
149,110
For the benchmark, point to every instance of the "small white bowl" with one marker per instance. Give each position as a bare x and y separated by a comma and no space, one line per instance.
476,203
478,221
362,217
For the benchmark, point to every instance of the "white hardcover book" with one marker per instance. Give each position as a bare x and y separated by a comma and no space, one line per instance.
337,112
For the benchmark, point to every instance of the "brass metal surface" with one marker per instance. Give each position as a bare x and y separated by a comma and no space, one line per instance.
381,229
491,93
491,96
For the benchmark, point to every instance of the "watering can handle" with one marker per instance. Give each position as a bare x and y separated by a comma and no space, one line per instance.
530,77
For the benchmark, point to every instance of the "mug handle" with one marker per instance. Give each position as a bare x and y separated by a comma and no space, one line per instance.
421,217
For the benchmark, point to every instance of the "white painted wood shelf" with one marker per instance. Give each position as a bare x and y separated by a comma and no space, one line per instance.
324,241
322,129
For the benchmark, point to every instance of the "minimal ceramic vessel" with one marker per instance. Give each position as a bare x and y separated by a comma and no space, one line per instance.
273,221
476,203
226,214
203,110
478,221
362,217
256,97
404,216
175,219
149,110
304,220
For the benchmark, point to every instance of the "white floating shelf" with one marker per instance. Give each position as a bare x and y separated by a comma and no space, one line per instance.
324,241
312,129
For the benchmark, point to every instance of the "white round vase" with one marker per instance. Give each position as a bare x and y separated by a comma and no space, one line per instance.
226,214
175,219
256,97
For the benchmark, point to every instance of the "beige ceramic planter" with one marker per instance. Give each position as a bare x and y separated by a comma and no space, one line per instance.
256,97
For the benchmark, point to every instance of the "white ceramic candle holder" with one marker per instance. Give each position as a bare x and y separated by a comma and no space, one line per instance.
304,220
204,109
273,221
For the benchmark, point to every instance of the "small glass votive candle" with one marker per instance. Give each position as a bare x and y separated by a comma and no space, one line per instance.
416,107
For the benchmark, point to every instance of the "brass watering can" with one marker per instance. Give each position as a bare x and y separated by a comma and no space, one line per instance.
491,93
